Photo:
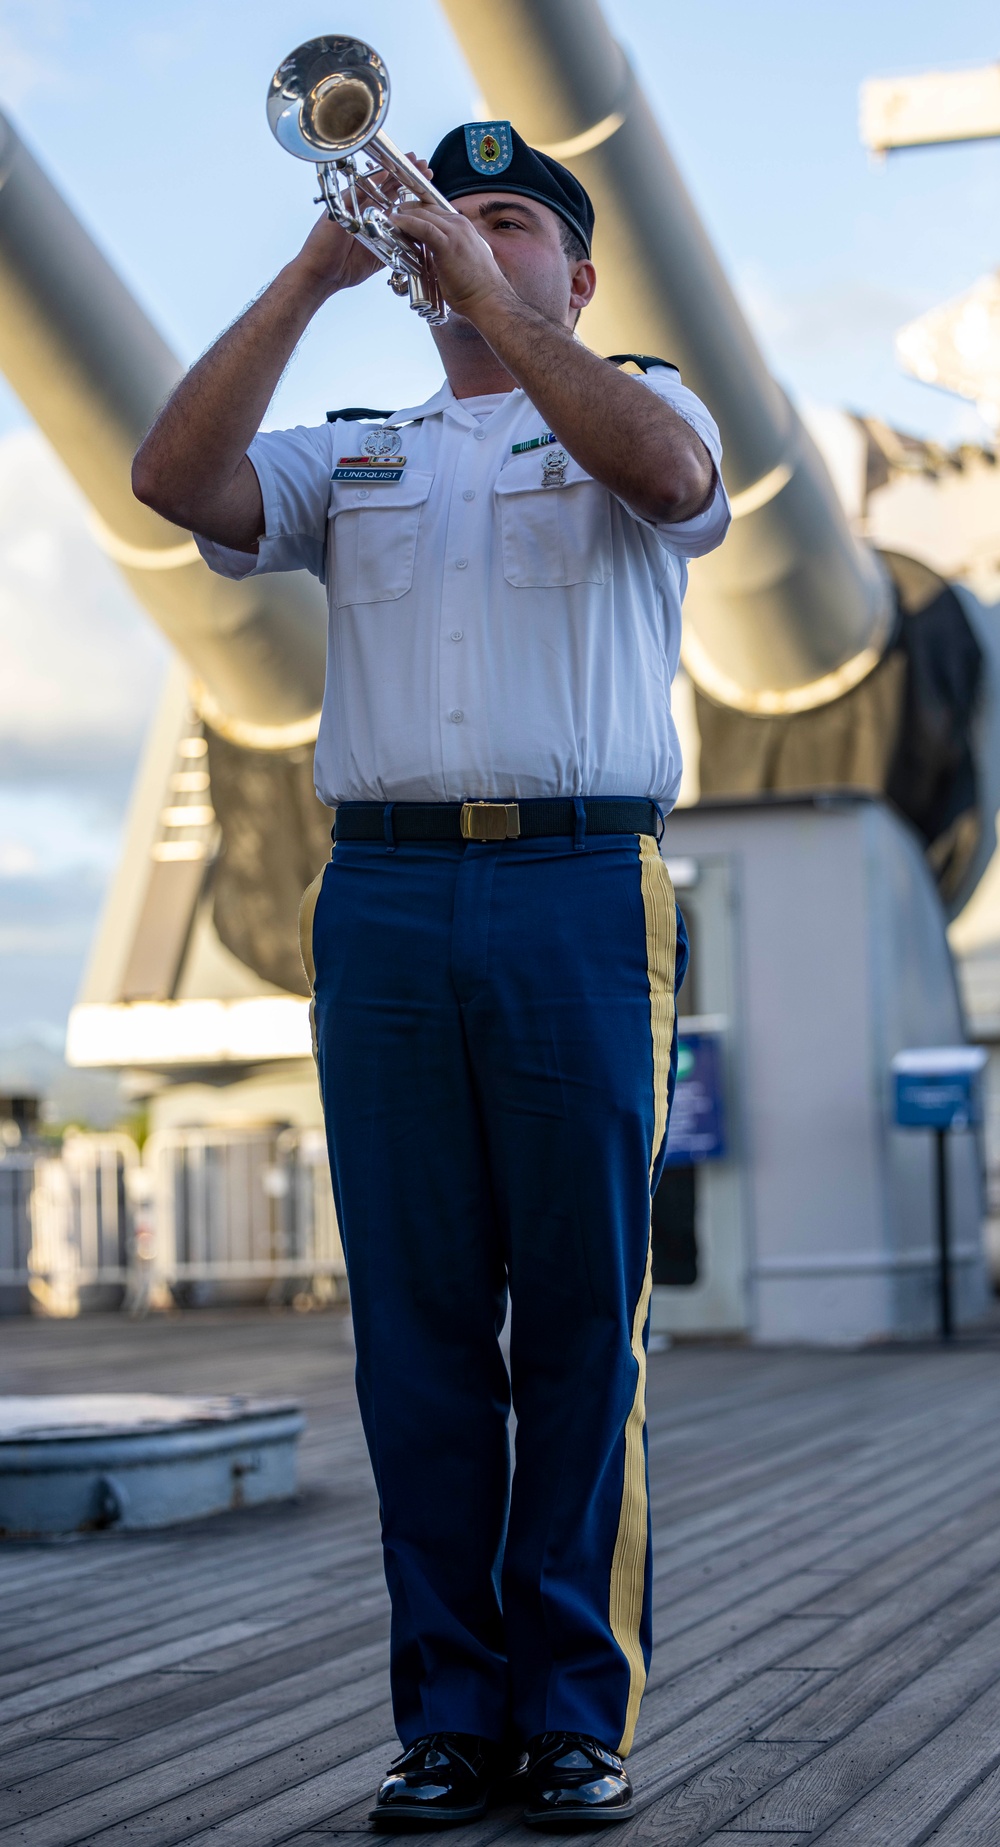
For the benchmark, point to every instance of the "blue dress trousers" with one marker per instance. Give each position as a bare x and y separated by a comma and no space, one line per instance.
495,1035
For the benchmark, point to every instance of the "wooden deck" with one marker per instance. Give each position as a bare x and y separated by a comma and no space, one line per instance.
827,1663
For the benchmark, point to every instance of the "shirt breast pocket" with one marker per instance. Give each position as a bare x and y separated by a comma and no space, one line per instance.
373,537
552,536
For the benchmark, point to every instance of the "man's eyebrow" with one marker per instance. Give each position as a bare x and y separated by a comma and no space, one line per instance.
514,203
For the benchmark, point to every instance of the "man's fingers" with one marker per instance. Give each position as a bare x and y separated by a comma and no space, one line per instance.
432,211
422,231
416,220
409,217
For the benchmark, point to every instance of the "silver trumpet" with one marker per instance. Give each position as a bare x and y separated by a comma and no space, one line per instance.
326,103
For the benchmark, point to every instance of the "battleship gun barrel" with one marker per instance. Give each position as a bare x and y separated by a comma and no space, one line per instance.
792,611
93,371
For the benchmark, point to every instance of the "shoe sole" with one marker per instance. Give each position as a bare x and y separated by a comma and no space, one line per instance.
562,1822
401,1816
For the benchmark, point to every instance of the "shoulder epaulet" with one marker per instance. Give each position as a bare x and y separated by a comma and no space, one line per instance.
642,360
356,414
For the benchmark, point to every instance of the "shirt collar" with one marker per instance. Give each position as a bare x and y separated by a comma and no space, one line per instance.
445,401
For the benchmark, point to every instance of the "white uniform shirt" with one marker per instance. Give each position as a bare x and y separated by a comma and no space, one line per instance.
490,637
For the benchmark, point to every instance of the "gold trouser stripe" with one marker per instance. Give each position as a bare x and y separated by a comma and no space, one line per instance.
628,1564
307,915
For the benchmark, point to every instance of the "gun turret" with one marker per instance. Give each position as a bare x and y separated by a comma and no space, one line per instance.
93,371
816,661
792,611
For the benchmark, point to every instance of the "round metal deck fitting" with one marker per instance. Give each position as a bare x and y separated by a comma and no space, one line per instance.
127,1462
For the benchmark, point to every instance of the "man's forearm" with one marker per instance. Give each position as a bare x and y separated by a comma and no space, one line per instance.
191,466
623,435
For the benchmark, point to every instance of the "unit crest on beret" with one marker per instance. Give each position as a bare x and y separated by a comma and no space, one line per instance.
489,147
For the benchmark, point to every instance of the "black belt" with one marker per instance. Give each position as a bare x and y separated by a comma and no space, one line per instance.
533,820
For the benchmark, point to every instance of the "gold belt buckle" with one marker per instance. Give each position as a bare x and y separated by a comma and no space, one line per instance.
490,821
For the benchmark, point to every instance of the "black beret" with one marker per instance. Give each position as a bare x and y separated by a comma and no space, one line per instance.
492,156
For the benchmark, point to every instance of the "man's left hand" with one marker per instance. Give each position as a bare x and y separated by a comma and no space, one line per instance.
467,270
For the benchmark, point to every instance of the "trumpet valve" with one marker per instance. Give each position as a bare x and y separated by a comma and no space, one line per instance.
399,282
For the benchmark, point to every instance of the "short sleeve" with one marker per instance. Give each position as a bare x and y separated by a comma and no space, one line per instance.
293,468
691,538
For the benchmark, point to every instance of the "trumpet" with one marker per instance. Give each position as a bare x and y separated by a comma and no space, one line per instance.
326,103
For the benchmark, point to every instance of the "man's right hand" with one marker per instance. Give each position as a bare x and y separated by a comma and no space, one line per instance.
192,466
331,259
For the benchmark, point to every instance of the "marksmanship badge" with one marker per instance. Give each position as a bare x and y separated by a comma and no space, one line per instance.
489,147
554,469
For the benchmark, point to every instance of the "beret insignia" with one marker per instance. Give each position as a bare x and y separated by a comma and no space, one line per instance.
489,147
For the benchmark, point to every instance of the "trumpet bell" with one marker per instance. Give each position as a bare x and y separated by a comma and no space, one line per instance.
328,98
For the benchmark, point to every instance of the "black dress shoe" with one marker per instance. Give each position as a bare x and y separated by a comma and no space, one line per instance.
445,1778
573,1782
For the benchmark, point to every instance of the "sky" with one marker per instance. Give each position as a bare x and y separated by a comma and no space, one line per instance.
151,121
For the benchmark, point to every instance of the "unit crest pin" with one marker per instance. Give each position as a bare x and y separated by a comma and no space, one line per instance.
554,468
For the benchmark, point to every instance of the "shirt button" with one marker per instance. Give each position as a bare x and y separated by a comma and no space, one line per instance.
457,634
456,716
480,435
469,493
362,493
461,564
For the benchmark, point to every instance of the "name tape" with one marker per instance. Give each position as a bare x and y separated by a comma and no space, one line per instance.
360,468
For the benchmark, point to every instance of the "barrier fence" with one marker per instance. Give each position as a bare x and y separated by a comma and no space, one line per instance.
200,1216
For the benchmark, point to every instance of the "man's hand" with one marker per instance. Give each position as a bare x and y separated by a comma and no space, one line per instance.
192,465
331,259
621,433
467,270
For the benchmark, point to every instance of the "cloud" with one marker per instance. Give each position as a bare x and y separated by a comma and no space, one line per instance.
31,1062
29,36
47,922
50,913
835,344
16,859
815,320
49,830
22,70
81,662
81,670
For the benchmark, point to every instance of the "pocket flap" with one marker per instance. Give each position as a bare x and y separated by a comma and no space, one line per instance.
411,491
522,474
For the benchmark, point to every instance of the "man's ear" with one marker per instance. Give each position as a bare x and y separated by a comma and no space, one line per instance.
582,284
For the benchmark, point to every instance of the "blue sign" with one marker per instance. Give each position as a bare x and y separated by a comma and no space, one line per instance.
938,1088
697,1130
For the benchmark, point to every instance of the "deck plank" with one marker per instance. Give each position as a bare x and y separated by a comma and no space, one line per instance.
840,1774
843,1700
351,1684
974,1822
826,1610
936,1778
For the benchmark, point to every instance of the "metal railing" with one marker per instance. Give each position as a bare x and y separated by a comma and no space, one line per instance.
17,1182
80,1233
202,1215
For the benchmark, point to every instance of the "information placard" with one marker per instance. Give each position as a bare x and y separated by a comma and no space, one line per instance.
938,1087
697,1125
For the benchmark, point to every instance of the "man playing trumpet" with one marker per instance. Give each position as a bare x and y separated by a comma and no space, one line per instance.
494,947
